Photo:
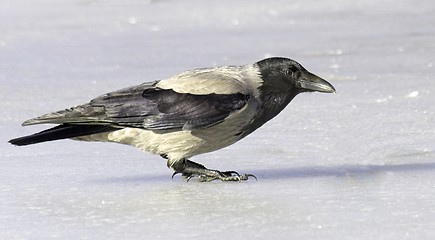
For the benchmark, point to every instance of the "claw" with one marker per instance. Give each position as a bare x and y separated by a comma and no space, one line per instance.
242,177
189,177
245,177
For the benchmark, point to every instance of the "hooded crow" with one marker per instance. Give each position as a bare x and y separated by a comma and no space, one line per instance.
194,112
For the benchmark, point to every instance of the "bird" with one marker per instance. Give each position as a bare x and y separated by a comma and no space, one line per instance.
191,113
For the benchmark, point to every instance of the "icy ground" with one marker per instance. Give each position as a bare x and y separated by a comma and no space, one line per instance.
359,164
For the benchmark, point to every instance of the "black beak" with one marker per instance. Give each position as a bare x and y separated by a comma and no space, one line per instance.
312,83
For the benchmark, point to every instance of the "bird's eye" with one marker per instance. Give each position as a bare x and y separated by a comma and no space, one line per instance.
291,71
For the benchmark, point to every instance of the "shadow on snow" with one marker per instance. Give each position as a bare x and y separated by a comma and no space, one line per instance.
343,170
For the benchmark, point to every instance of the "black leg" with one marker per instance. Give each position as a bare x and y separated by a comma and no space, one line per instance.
191,169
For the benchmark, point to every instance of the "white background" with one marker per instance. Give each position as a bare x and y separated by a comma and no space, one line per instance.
358,164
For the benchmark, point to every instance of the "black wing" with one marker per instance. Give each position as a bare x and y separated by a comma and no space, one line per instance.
147,106
160,109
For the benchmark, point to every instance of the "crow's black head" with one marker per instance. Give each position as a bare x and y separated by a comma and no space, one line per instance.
285,75
283,79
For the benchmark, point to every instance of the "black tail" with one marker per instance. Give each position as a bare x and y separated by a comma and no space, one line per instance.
61,132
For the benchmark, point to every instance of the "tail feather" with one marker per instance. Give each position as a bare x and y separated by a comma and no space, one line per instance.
80,114
61,132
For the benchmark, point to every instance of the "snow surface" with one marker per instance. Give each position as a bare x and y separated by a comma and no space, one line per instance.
359,164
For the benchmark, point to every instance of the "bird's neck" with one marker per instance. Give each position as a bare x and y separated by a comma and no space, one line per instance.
271,105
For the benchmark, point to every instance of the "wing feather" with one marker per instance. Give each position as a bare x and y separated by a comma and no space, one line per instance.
151,107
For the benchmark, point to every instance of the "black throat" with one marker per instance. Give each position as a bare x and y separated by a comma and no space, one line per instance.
272,103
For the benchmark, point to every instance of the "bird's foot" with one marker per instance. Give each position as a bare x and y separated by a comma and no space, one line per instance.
211,175
189,170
